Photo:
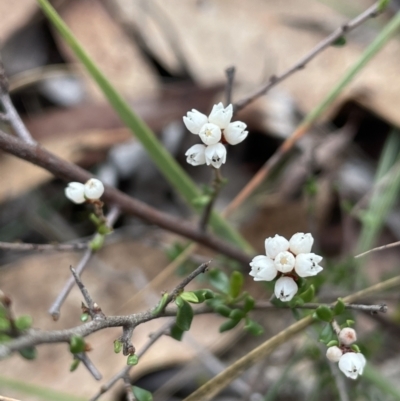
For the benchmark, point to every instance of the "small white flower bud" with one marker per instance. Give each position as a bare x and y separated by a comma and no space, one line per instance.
210,134
235,132
215,155
352,364
285,289
301,243
194,121
306,264
334,353
347,336
221,116
196,155
284,262
75,192
275,245
263,268
94,188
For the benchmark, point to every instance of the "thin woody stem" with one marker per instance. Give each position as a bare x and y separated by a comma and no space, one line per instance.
371,12
379,248
23,247
55,308
217,184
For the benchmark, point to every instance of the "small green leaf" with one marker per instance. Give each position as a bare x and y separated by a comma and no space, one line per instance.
190,296
219,280
23,322
74,365
382,5
339,42
355,347
76,344
117,346
295,302
332,343
223,310
339,307
132,360
97,242
324,313
308,295
104,230
179,301
208,294
253,327
249,303
84,317
349,322
326,334
228,325
176,332
201,201
28,353
235,284
184,316
95,220
4,324
237,314
161,304
141,394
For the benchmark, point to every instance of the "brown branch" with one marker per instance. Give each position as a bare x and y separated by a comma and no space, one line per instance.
70,172
34,337
301,64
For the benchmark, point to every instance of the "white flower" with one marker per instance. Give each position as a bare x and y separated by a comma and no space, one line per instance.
334,353
307,264
210,134
94,188
215,155
301,243
235,132
352,364
347,336
196,155
275,245
194,121
263,268
75,192
221,116
284,262
285,289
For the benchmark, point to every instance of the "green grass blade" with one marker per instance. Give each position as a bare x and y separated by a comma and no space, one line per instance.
38,392
167,165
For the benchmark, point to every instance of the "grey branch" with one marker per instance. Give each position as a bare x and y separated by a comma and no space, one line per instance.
23,247
371,12
35,337
55,308
125,371
89,365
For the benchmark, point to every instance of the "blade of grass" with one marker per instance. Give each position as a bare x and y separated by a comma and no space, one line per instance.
386,386
38,392
381,202
167,165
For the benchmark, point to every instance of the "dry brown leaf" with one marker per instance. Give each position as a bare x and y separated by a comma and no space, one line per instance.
118,57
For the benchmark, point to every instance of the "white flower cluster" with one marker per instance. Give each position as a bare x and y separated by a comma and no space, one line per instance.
79,193
288,259
351,363
212,130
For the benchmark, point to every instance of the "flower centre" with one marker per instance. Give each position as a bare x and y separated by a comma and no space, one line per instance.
208,132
